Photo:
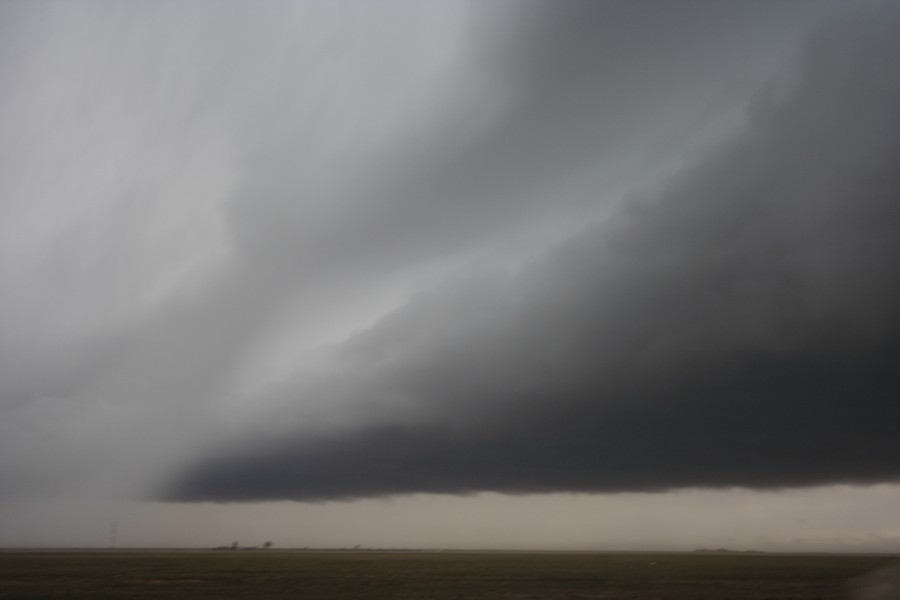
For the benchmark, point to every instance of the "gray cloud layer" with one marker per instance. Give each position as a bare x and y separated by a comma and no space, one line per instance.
195,197
735,325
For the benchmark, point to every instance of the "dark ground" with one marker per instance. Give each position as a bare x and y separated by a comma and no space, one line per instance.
428,575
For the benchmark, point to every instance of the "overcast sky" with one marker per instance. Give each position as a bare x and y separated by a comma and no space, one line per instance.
584,274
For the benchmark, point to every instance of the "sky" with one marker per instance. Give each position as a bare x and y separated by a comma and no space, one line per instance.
560,274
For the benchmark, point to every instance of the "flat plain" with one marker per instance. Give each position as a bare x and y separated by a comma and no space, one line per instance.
423,575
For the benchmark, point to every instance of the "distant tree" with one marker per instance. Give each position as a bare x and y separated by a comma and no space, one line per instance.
268,545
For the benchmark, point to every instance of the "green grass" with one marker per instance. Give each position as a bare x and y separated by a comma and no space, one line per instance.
267,575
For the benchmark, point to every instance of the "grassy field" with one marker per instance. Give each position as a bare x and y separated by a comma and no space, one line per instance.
427,575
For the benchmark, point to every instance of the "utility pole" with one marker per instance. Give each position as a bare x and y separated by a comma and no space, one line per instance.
113,534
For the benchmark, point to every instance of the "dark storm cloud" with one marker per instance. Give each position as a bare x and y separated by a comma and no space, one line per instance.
550,91
737,325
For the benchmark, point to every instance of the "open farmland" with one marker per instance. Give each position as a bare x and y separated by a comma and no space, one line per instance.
427,575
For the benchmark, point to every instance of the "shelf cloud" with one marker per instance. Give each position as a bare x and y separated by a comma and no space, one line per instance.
732,322
326,250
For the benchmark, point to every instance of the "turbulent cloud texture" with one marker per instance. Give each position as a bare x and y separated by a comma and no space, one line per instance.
733,324
317,250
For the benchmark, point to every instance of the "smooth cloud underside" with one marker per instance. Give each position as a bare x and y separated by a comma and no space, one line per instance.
735,326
